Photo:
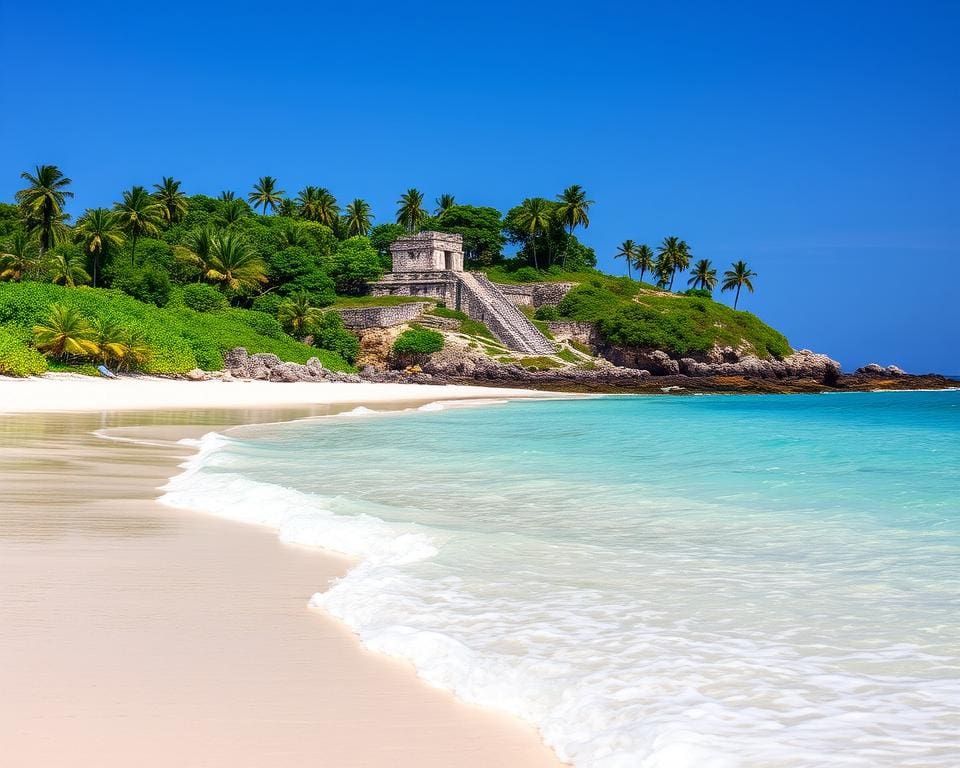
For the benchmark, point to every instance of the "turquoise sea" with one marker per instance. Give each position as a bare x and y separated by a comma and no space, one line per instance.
682,582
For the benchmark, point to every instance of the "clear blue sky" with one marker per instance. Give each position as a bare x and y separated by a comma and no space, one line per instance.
816,140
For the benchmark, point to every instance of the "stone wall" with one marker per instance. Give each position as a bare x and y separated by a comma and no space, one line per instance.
584,333
535,294
441,286
361,318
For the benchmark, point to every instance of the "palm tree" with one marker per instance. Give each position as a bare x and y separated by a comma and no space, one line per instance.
675,255
574,208
297,316
42,204
139,215
358,218
232,211
663,269
628,251
65,269
736,278
411,212
197,250
533,218
172,201
136,350
226,196
110,338
265,194
233,264
444,202
287,208
643,260
98,232
307,203
293,236
703,275
18,258
327,209
65,333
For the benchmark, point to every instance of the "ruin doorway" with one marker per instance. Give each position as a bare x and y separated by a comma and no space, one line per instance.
447,261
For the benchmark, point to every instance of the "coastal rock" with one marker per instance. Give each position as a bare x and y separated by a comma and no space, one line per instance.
236,360
266,358
315,365
196,375
874,369
802,364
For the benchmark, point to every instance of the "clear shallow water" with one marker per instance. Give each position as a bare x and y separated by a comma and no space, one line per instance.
655,582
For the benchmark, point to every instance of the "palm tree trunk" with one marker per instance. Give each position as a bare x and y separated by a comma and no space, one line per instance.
673,274
629,275
533,246
95,260
737,297
642,271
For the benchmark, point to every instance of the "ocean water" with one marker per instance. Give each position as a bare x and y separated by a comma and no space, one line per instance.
662,582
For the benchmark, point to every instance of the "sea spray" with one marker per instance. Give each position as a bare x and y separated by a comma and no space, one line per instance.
652,582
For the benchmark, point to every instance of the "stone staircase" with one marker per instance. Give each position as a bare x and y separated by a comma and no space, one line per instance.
483,301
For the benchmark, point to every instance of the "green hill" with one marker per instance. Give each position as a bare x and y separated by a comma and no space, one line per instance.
179,338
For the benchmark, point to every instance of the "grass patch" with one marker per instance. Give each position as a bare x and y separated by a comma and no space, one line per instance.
468,325
568,356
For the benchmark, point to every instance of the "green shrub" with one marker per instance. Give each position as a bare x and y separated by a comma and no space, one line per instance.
527,275
261,322
149,284
16,358
701,293
203,298
540,363
418,341
330,333
268,303
548,313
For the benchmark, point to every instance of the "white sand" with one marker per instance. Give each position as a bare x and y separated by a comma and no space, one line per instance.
69,392
135,634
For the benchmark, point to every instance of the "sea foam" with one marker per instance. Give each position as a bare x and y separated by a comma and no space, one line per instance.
776,597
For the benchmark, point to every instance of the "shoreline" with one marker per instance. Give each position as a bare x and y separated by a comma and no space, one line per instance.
167,617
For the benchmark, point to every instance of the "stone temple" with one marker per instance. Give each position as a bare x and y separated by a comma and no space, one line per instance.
430,264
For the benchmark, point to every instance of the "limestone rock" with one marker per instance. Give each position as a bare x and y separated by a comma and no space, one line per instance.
196,375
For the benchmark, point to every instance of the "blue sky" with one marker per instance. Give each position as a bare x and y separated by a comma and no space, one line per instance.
817,141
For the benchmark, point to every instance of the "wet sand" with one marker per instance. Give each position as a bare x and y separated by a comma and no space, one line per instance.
133,634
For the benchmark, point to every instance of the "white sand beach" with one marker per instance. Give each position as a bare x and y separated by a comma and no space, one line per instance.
137,634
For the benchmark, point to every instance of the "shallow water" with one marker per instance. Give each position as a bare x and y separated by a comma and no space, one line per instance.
697,581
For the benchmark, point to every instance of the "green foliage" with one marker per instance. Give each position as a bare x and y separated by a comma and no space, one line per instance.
150,284
679,325
480,227
381,236
349,302
330,333
418,341
268,303
16,358
203,298
547,313
468,325
568,356
179,338
354,264
700,293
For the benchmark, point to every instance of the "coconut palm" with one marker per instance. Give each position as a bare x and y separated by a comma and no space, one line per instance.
411,212
65,333
226,196
233,264
42,204
739,276
574,208
675,254
663,269
327,208
444,202
533,218
139,215
98,232
197,249
297,316
65,268
172,201
136,350
643,260
307,203
265,194
287,208
19,257
703,275
358,218
628,251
